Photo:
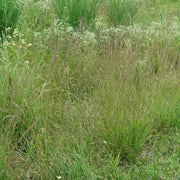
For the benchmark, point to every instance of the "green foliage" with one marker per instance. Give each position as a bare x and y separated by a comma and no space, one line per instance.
77,11
9,14
121,12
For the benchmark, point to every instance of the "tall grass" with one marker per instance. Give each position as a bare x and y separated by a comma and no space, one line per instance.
121,12
73,107
76,11
30,19
9,14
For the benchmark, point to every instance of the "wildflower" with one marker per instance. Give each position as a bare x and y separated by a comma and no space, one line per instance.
29,45
15,33
26,62
23,41
7,29
59,177
9,37
42,130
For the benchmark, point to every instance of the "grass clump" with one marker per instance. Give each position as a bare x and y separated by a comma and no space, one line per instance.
76,12
9,14
121,12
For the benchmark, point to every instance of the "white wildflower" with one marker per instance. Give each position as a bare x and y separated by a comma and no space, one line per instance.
23,41
29,45
26,62
9,37
59,177
7,29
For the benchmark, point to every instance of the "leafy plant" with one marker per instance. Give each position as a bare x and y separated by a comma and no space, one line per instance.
9,13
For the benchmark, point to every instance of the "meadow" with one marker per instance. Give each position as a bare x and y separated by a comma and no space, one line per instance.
90,89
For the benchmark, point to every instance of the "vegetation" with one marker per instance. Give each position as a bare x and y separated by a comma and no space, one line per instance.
9,13
77,11
121,12
90,103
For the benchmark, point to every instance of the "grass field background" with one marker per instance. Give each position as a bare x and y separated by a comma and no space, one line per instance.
90,89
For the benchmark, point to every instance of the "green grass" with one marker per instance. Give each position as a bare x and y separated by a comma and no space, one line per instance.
121,12
9,13
29,18
76,12
90,105
118,12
